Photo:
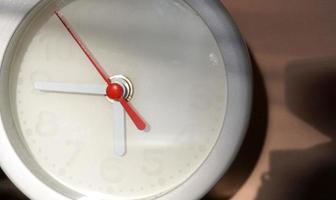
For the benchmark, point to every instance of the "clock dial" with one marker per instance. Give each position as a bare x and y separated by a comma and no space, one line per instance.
178,82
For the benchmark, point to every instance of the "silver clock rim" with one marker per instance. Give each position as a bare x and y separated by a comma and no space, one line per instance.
239,81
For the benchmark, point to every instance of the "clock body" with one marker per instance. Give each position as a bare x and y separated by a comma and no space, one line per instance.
191,77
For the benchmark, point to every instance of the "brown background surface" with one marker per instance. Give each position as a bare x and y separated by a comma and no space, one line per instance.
290,149
293,126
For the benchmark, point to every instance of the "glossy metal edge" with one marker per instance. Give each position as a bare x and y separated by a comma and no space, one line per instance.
12,14
239,82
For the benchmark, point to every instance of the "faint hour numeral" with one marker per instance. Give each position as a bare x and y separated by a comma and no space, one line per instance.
77,149
47,124
75,143
38,76
111,172
152,163
197,103
57,47
185,134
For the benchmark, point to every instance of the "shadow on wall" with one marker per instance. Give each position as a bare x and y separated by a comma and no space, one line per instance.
311,92
310,89
253,143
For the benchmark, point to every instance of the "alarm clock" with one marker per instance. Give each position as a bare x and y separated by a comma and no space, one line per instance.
120,99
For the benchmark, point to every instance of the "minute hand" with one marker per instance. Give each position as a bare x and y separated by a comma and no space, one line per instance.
71,88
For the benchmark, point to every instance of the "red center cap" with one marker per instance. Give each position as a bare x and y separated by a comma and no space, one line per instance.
114,91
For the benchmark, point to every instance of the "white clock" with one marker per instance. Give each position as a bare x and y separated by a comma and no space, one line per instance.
120,99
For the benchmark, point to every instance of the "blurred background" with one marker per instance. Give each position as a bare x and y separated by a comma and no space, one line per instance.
289,152
290,149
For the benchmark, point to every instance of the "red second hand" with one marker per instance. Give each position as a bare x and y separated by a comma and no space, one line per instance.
133,115
115,91
83,47
139,123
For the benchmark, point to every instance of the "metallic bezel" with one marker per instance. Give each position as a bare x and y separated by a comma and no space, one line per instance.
239,93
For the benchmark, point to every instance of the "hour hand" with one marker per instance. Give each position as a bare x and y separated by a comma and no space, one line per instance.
71,88
119,136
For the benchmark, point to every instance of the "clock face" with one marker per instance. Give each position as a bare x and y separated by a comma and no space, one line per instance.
69,139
